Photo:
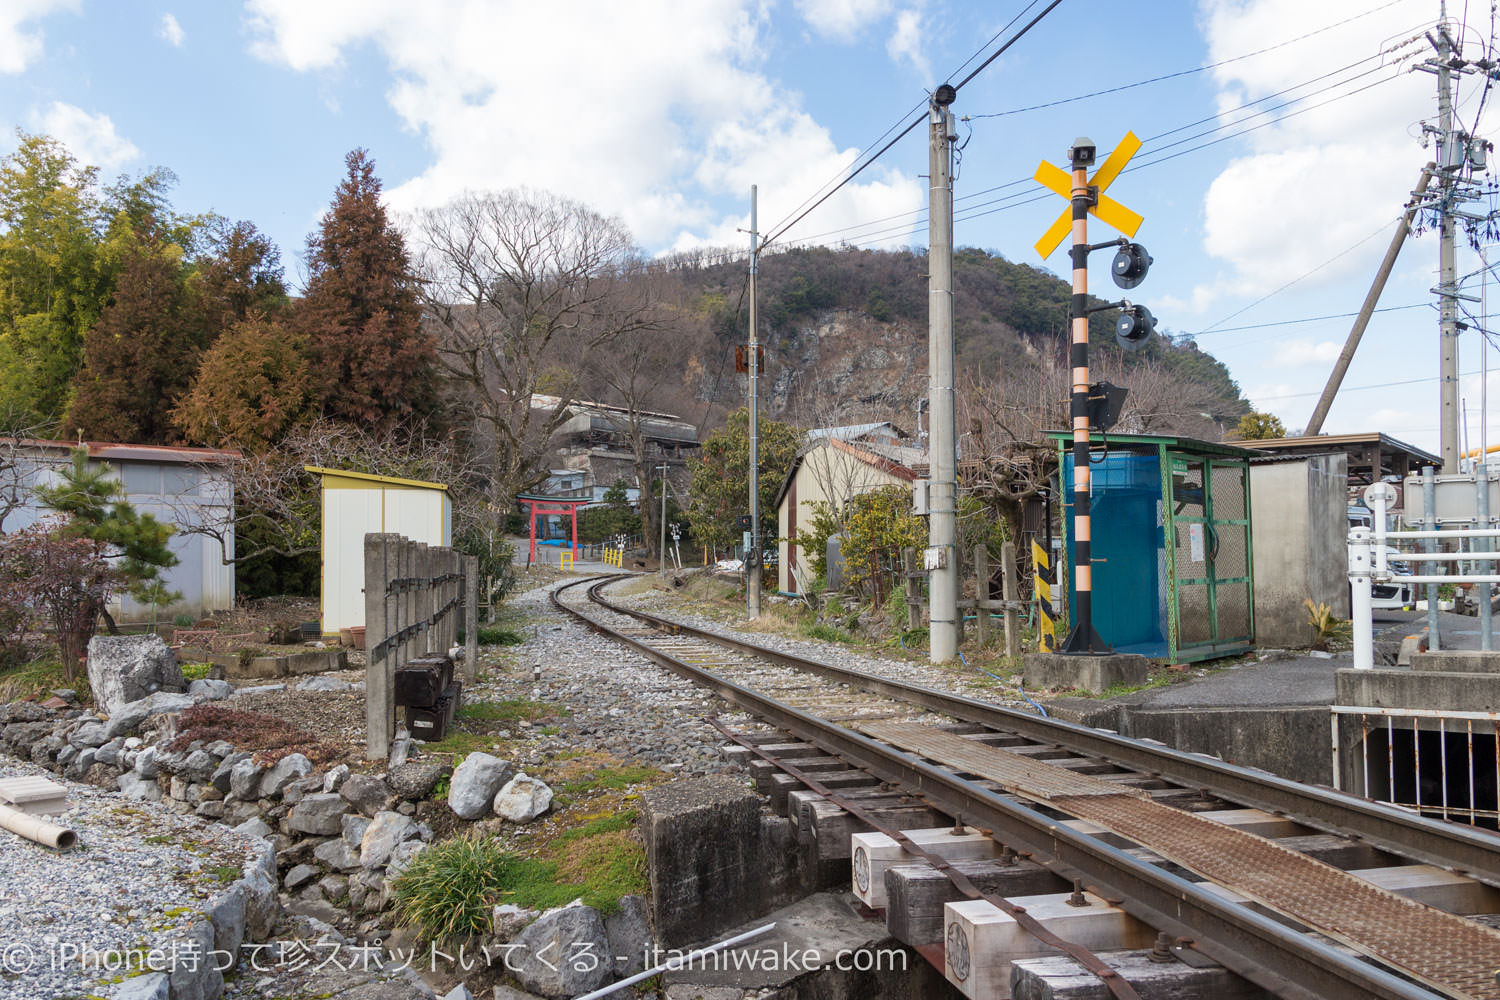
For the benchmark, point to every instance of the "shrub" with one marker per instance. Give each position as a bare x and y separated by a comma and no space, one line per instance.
49,578
272,737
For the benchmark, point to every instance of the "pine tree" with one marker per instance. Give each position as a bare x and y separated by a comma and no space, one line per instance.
368,351
135,544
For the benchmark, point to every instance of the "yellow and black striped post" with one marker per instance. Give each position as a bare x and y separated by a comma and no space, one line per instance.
1041,585
1083,638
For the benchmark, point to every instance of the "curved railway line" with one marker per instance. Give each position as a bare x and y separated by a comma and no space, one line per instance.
1136,824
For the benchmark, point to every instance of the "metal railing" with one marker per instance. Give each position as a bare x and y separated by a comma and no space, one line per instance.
1369,565
1439,762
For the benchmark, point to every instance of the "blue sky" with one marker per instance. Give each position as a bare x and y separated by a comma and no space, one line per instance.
664,113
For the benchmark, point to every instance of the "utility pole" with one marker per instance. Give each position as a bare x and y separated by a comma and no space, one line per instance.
1448,306
752,558
662,557
1459,157
942,455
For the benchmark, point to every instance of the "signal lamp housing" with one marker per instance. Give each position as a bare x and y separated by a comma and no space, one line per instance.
1134,327
1130,265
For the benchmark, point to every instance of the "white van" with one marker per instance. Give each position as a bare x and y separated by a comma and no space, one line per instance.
1394,595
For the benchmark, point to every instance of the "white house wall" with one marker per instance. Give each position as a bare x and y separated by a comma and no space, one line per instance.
348,515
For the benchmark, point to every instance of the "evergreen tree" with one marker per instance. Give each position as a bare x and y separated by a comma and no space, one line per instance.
241,275
140,356
370,357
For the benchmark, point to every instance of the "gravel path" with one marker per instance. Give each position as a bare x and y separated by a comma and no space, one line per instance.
618,702
139,876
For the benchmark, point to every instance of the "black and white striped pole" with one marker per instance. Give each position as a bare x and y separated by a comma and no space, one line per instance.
1082,638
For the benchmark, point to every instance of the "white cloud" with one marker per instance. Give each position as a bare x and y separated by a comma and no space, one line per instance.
654,111
19,43
842,19
1296,353
906,42
1313,184
91,138
170,30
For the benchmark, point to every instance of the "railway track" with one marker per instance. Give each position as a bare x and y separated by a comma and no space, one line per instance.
1234,864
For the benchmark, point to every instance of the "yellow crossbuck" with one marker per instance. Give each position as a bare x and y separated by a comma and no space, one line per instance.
1105,209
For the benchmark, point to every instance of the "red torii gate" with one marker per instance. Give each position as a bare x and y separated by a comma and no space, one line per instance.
546,506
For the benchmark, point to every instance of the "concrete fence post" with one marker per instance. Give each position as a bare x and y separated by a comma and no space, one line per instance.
981,595
1008,592
909,567
380,708
471,619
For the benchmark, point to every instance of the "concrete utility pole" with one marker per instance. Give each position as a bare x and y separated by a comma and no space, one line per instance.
942,454
1447,277
662,552
752,558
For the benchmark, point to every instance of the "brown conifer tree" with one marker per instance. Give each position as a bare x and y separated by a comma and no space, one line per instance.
140,355
370,357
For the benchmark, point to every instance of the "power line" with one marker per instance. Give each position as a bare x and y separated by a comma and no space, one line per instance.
1305,319
781,229
1186,72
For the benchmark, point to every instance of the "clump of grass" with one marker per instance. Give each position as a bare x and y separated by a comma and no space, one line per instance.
40,678
611,779
510,710
826,632
1328,630
494,635
449,889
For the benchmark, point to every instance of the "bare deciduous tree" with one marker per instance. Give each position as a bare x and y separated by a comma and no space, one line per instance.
508,281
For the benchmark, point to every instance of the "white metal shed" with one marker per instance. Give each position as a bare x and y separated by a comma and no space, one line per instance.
357,503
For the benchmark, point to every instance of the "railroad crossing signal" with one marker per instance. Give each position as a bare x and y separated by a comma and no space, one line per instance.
1106,210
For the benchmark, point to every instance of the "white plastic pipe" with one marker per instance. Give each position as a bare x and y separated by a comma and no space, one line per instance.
37,829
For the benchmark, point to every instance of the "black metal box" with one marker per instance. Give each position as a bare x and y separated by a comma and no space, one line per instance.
421,682
430,724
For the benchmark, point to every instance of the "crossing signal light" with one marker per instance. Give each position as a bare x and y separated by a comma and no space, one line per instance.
1130,266
1134,327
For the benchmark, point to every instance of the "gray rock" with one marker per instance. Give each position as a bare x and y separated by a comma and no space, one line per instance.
245,779
335,777
337,855
511,993
568,932
367,793
318,815
508,919
333,887
137,787
220,778
262,904
129,716
227,913
199,766
386,832
459,992
126,668
330,684
475,782
287,770
66,755
629,931
354,828
523,799
151,986
210,690
414,780
254,827
258,689
402,856
90,734
194,975
145,763
299,875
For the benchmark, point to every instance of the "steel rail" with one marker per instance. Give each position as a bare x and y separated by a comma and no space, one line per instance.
1259,948
1462,849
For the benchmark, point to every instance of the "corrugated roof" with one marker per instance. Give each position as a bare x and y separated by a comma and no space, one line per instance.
370,477
135,452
